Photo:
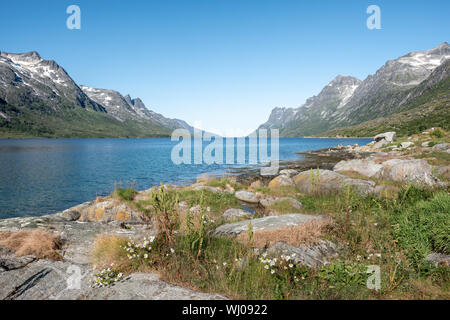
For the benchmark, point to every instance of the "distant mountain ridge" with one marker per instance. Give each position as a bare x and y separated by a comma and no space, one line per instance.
347,101
37,96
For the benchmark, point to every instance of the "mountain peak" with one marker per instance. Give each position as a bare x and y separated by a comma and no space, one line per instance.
31,57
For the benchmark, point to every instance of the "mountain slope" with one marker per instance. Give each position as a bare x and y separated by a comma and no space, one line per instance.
388,91
428,106
39,98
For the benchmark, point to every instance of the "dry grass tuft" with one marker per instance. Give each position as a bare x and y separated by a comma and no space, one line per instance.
107,250
307,233
39,243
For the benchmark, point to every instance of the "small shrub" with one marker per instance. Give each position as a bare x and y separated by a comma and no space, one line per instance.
165,208
126,194
437,133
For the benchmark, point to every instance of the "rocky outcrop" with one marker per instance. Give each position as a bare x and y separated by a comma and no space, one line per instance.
327,181
383,139
313,256
107,210
366,167
281,181
265,223
416,171
246,196
442,147
25,278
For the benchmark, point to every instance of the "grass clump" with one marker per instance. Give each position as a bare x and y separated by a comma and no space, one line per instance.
125,194
424,228
217,202
39,243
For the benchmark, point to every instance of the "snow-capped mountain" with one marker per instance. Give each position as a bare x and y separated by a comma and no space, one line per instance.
317,109
125,108
26,78
347,101
31,87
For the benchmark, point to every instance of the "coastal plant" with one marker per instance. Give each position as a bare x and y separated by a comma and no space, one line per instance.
140,252
106,277
125,194
165,209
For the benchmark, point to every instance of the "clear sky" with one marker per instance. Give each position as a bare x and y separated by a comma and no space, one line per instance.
225,63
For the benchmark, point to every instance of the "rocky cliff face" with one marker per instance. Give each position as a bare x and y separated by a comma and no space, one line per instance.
347,101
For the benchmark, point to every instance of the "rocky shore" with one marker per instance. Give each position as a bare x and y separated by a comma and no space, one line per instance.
363,169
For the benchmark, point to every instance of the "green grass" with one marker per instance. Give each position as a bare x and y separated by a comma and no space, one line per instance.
218,202
392,233
43,122
424,228
125,194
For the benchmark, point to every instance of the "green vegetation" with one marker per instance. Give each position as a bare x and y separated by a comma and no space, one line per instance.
395,233
45,122
126,194
430,109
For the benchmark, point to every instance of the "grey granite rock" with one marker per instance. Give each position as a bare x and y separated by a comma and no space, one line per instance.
270,201
246,196
265,223
233,213
313,256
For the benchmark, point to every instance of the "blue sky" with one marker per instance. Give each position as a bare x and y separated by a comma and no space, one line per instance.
225,63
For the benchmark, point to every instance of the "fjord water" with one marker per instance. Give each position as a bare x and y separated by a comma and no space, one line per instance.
40,176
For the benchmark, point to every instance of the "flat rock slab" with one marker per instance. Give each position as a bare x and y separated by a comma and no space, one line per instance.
48,280
146,286
265,223
24,278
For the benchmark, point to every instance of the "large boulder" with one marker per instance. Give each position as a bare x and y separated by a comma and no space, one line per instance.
281,181
416,171
246,196
288,172
265,223
442,147
366,167
327,181
383,139
388,136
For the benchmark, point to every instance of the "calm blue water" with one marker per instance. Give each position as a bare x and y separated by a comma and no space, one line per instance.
40,176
